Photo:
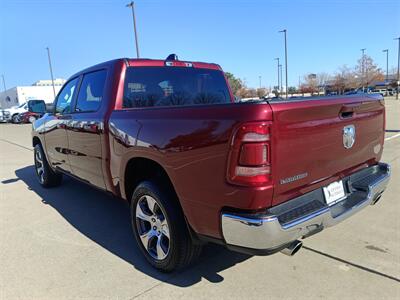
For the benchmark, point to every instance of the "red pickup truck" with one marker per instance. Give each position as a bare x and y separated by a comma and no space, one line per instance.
196,167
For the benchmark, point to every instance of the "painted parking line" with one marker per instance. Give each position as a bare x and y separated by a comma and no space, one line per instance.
392,137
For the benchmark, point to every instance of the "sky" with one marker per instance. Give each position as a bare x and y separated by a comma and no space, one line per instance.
241,36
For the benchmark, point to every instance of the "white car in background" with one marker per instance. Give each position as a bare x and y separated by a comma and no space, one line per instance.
14,111
4,116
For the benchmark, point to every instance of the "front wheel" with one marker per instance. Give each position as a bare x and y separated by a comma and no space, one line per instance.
15,119
160,229
46,176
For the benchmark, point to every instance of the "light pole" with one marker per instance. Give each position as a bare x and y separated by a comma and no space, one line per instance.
132,5
4,83
398,68
277,59
286,66
51,71
362,68
387,65
280,70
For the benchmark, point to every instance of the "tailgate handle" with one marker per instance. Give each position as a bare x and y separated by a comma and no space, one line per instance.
347,110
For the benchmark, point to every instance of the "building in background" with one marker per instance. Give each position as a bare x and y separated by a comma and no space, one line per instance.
41,90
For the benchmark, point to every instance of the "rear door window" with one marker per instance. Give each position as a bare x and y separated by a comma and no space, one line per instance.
91,91
174,86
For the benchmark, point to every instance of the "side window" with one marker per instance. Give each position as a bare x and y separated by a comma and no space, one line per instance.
91,91
65,97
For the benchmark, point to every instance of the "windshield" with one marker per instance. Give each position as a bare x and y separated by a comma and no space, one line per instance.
174,86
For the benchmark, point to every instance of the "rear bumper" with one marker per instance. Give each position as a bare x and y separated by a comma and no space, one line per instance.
304,216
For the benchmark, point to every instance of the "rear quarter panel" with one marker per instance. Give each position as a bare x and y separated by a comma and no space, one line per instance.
192,145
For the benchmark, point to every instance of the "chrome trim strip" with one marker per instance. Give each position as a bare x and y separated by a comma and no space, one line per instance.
266,232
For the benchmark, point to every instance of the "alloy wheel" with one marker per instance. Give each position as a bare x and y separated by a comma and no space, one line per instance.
152,227
39,165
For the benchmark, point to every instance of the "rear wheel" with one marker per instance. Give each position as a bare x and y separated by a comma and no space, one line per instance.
46,176
160,229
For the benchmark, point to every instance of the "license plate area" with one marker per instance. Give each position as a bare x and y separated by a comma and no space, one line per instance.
334,192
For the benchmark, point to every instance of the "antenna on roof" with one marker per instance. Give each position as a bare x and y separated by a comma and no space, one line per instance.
172,57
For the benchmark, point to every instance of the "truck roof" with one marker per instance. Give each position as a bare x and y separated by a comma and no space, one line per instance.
145,62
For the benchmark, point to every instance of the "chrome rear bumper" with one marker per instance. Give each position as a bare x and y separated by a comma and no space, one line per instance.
273,230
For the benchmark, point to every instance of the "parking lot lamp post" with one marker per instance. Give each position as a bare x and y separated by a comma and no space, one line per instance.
277,59
286,64
132,5
4,82
387,65
280,70
51,71
398,68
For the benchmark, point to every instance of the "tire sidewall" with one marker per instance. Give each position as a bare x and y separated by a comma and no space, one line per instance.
14,119
38,148
151,189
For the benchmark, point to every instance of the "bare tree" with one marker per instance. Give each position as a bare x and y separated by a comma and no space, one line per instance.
261,92
344,79
322,78
367,71
310,84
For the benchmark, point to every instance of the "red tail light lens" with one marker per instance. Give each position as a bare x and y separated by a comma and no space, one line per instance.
249,160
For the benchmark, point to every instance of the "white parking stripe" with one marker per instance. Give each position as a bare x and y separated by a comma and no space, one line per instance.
392,137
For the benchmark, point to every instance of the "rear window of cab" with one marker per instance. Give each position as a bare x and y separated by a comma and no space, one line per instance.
174,86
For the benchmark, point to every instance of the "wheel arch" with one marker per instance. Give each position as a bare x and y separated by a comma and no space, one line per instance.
36,141
138,169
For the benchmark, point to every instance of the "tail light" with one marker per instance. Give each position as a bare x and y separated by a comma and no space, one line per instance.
250,155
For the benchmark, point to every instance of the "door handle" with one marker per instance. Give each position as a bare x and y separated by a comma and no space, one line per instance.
61,126
347,110
91,128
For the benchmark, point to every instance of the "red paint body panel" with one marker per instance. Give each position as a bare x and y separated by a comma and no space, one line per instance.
307,138
24,117
193,145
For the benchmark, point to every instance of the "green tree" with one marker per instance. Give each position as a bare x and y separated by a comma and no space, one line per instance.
235,83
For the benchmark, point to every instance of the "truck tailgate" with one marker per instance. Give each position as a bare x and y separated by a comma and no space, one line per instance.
309,149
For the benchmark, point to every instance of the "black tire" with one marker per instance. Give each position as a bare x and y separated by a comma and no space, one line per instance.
14,119
44,173
181,249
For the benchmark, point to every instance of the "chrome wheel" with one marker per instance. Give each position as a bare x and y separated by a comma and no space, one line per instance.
39,165
152,227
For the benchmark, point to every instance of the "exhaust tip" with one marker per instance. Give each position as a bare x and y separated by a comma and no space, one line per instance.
293,248
376,199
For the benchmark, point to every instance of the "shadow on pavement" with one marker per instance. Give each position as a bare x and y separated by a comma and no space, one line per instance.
105,220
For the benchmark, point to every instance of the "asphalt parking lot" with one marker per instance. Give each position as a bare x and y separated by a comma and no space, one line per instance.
75,242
